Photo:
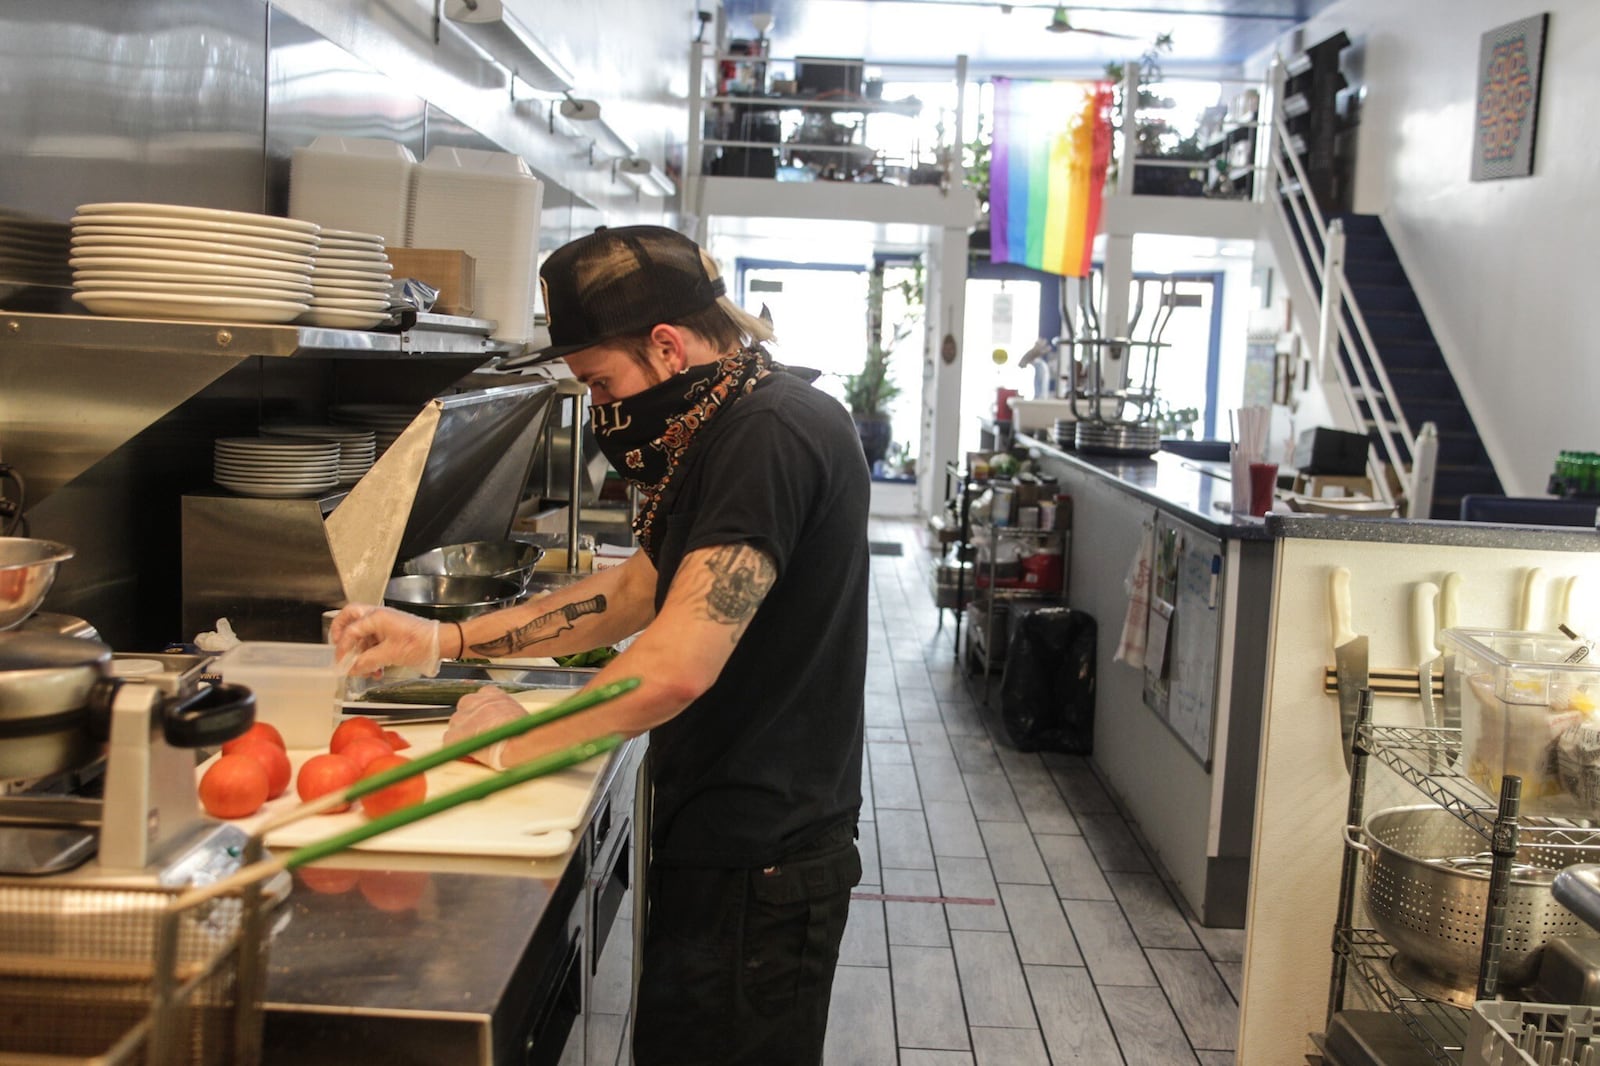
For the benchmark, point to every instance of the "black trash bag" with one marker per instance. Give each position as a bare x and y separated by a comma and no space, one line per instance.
1047,691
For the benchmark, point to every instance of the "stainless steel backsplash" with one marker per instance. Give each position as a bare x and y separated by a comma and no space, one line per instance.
200,102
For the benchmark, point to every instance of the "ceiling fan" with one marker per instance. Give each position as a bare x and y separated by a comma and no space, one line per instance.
1060,23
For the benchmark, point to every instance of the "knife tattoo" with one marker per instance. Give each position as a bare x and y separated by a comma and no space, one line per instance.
547,626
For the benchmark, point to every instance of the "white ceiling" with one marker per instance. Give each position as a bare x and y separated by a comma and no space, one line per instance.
1207,35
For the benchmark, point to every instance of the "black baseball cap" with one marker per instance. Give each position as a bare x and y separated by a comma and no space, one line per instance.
620,282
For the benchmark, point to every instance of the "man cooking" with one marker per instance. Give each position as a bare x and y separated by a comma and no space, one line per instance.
749,597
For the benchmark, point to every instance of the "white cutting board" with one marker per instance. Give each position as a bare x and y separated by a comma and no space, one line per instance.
532,820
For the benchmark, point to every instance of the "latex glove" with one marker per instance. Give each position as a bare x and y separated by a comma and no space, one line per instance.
383,636
478,712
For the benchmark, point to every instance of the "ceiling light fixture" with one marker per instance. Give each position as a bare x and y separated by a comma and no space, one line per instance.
502,37
648,177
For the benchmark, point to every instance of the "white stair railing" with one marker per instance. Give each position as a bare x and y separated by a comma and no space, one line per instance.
1289,193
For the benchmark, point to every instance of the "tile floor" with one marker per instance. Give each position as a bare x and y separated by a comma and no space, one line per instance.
1008,916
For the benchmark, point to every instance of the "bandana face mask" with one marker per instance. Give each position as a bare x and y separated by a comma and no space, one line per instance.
645,436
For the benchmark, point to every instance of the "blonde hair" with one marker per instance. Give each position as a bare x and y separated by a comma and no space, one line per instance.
752,329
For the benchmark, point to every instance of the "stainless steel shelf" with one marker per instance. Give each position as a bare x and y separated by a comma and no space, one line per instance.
433,336
1440,1028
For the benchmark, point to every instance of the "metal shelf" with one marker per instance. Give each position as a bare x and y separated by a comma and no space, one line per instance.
1427,758
1440,1029
432,336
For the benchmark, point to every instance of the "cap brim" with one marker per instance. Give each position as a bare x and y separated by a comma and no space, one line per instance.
544,355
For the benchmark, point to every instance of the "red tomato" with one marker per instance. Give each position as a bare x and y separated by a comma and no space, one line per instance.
328,882
405,793
362,750
274,760
234,787
322,774
259,731
393,890
351,728
395,740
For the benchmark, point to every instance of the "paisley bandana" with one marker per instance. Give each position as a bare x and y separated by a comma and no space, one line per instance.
646,436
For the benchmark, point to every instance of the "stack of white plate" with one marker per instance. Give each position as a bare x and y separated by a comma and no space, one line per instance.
486,204
386,420
358,448
33,251
354,183
349,281
176,261
281,469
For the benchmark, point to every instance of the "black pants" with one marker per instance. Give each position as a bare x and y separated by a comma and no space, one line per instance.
738,964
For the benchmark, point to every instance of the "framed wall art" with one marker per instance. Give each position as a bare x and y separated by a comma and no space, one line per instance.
1509,64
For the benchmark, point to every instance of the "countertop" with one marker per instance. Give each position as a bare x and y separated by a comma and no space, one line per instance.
438,951
1195,490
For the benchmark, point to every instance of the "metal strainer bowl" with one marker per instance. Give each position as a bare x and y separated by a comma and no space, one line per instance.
1426,890
27,569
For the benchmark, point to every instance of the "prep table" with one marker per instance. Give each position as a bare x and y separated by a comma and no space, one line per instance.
423,957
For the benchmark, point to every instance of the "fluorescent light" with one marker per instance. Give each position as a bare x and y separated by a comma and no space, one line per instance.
499,34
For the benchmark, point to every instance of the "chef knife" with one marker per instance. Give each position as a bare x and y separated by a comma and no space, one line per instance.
1422,616
1349,656
1449,593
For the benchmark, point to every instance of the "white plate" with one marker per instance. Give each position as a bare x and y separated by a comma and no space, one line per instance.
275,492
265,460
375,285
148,255
347,257
156,305
115,245
243,289
81,237
258,477
375,244
339,292
247,218
351,235
332,319
113,279
246,268
334,303
192,225
346,277
276,445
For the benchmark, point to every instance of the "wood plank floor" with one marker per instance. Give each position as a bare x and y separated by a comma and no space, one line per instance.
1026,924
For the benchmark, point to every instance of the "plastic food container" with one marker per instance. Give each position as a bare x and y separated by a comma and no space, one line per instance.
1527,710
297,687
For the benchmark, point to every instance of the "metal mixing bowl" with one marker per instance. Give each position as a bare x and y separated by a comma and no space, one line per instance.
450,599
27,569
510,559
1426,891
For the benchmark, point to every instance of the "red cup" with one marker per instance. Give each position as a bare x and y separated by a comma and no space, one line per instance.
1263,482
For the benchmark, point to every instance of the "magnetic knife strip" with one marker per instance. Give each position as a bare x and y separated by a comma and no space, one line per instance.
1387,681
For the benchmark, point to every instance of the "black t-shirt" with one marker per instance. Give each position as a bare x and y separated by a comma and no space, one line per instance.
770,756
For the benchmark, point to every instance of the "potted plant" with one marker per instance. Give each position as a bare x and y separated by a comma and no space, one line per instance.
869,391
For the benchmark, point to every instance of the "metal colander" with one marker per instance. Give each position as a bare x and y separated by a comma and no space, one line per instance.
1427,888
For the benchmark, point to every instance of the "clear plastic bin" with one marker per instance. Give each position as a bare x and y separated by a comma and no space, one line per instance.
1526,709
297,687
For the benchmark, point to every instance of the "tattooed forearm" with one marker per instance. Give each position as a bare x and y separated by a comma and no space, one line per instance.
740,577
547,626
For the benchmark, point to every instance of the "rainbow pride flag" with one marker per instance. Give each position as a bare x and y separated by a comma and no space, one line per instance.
1052,140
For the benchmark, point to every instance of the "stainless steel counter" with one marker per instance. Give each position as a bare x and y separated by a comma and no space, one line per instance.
435,959
1195,490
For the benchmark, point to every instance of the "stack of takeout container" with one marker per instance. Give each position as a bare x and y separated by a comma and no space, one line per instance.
486,204
350,281
353,183
174,261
